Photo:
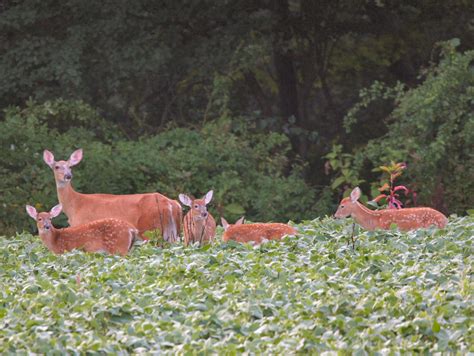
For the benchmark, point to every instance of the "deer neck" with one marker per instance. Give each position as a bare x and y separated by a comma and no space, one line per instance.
365,217
198,226
198,229
51,240
66,196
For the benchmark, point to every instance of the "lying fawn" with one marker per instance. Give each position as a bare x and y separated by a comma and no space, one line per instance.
257,233
199,224
405,219
107,235
146,212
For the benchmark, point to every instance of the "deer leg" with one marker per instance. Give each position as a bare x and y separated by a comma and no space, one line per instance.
352,235
203,231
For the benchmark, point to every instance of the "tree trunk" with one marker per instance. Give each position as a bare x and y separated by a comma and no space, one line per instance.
285,71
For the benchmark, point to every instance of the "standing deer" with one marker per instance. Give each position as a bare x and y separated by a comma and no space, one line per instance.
257,233
144,211
107,235
405,219
199,224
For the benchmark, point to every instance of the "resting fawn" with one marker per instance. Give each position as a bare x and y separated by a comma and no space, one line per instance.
199,224
106,235
257,233
405,219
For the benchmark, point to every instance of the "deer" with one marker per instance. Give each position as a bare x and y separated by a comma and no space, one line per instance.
146,211
109,235
199,225
255,233
406,219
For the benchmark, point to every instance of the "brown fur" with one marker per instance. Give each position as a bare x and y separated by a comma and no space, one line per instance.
144,211
257,232
107,235
199,224
202,231
405,219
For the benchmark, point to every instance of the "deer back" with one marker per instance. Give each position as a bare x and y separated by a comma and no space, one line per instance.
412,218
257,232
113,236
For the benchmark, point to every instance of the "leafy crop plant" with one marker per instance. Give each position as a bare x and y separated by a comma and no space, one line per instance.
398,292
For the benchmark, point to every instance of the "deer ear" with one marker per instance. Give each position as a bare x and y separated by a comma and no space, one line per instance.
208,197
183,198
56,210
355,194
76,157
240,221
31,211
48,158
225,224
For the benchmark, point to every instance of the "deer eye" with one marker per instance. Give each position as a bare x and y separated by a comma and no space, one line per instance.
40,219
342,206
196,206
56,167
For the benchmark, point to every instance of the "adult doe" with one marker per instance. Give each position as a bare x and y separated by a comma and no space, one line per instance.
144,211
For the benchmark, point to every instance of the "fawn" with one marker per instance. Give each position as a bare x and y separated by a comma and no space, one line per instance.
107,235
405,219
257,233
199,224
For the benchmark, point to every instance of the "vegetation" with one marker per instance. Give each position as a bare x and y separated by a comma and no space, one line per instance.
123,75
431,130
389,190
280,107
396,292
243,167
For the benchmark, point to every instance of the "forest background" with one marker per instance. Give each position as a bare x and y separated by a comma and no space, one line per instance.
279,106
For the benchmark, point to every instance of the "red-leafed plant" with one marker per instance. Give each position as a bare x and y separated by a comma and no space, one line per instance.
389,191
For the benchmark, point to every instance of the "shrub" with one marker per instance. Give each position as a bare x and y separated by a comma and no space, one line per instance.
432,129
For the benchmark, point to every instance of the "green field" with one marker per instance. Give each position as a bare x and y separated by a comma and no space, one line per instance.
394,292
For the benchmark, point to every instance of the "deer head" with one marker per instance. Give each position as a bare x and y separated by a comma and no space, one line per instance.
347,205
43,220
226,225
62,169
198,206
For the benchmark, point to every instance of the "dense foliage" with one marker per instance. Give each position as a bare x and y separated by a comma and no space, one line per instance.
249,172
290,67
396,292
432,130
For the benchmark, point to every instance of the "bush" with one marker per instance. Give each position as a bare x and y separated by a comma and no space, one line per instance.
432,129
249,172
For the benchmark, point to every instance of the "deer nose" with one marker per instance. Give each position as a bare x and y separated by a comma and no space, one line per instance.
204,214
68,176
47,226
